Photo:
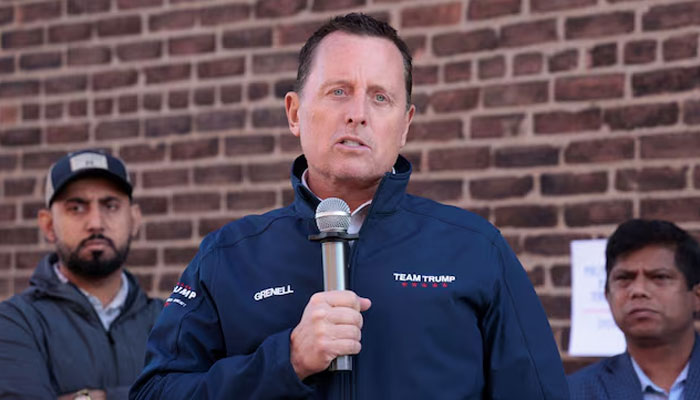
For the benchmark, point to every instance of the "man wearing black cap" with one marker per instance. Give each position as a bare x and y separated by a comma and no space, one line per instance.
79,330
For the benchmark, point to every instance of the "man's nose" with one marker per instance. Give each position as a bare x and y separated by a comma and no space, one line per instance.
356,112
639,287
95,219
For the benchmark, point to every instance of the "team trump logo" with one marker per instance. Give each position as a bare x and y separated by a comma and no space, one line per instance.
418,280
184,291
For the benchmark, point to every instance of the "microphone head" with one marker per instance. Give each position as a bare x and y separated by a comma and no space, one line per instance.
333,215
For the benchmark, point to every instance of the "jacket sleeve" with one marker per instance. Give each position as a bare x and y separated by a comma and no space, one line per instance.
519,349
24,371
186,356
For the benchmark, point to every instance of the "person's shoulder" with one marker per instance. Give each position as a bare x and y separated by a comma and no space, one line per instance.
456,217
589,379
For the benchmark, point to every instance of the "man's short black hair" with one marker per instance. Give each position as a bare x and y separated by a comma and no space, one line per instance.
638,233
356,24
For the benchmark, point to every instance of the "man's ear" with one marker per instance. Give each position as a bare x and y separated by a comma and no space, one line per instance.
45,220
291,107
136,218
696,297
409,117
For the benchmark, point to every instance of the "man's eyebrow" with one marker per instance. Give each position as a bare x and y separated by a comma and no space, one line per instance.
76,200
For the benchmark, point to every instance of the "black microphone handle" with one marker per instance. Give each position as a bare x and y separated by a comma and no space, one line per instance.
335,278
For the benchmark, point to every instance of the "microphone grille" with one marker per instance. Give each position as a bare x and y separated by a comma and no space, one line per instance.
333,215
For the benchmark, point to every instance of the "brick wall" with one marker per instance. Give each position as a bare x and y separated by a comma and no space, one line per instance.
555,119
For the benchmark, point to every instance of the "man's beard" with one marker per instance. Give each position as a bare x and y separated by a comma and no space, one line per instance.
97,266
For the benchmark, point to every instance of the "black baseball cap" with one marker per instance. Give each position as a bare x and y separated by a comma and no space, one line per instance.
85,163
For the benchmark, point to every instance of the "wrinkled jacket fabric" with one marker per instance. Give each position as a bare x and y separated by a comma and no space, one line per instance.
453,313
52,341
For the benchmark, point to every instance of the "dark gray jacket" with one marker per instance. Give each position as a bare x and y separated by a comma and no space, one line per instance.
52,341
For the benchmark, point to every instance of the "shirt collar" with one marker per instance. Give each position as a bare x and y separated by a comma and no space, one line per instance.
116,304
649,385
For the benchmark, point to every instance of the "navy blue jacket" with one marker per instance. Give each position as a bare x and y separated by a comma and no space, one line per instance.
52,341
614,378
453,313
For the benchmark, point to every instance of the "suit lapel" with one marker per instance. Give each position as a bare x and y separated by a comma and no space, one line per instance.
619,380
692,382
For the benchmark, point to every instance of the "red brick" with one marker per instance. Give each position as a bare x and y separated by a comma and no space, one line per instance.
65,84
38,11
527,64
178,99
53,111
142,258
555,5
221,67
220,120
8,162
179,255
296,33
598,213
28,260
67,133
527,156
7,65
282,87
131,4
276,9
526,216
218,174
204,96
87,6
490,126
40,160
516,94
275,62
592,87
668,80
432,15
492,67
36,61
196,202
563,61
536,276
20,137
7,15
459,158
484,9
18,236
422,75
290,144
696,177
251,200
172,20
681,47
570,183
14,187
167,73
225,14
555,244
603,55
8,213
270,118
166,177
500,187
77,108
440,130
682,209
114,79
454,100
194,149
600,25
169,230
691,112
278,171
529,33
102,106
642,116
172,125
118,129
18,88
245,38
251,144
671,16
139,51
649,179
448,44
640,52
119,26
22,38
458,71
89,55
128,103
188,45
328,5
556,306
437,189
601,150
233,93
142,153
568,121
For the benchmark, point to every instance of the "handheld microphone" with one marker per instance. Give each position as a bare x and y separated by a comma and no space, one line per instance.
333,220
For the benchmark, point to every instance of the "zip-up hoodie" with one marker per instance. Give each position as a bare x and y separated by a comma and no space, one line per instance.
453,314
52,341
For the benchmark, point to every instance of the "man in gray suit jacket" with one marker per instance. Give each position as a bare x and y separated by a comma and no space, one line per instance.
653,271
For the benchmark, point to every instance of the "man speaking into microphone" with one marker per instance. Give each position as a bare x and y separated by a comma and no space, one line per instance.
436,304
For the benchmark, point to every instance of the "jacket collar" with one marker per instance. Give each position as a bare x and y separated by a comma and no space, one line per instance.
386,199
